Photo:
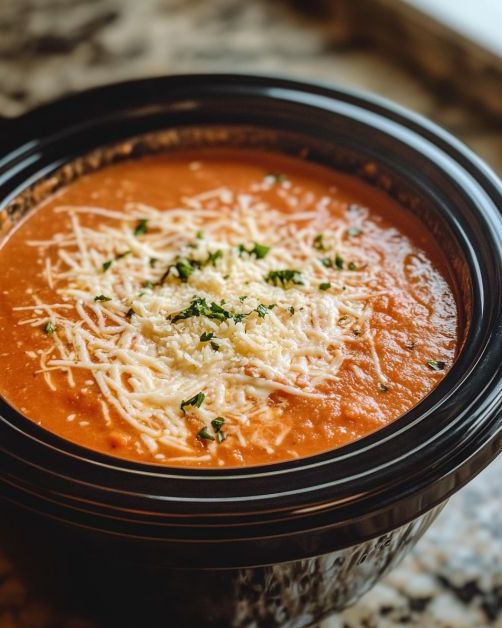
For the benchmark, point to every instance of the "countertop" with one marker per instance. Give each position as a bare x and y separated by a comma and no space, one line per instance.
453,579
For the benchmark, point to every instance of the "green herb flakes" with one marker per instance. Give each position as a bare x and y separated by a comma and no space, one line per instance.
184,268
213,257
261,310
200,307
196,401
339,262
436,365
217,423
102,298
153,261
206,336
260,251
107,264
318,243
284,277
215,346
49,328
203,434
141,227
324,286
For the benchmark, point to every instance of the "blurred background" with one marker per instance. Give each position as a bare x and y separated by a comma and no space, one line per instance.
442,58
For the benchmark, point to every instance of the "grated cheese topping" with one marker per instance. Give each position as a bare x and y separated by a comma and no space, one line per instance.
221,307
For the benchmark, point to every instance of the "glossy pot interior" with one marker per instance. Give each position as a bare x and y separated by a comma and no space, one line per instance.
251,517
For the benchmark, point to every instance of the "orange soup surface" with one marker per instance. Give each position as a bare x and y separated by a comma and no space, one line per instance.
221,308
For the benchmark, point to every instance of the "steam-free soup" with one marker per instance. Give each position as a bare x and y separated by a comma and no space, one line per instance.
221,308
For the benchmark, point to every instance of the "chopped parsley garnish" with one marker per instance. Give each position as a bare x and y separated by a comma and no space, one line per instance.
353,232
49,327
258,250
215,346
203,434
196,401
212,257
337,262
124,254
382,387
436,365
200,307
261,310
218,312
199,235
185,266
324,286
217,423
242,299
102,298
284,277
206,336
148,284
107,264
130,312
141,227
291,310
153,261
319,243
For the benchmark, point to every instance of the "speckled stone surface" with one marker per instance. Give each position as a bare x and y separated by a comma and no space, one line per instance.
453,579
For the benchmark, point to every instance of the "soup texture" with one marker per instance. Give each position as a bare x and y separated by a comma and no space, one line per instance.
221,308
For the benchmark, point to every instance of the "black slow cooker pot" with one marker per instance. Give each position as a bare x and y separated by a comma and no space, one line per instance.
283,544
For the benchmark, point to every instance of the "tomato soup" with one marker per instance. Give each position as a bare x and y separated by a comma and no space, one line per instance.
221,308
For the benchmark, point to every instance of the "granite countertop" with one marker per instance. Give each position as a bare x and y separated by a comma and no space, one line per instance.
453,579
